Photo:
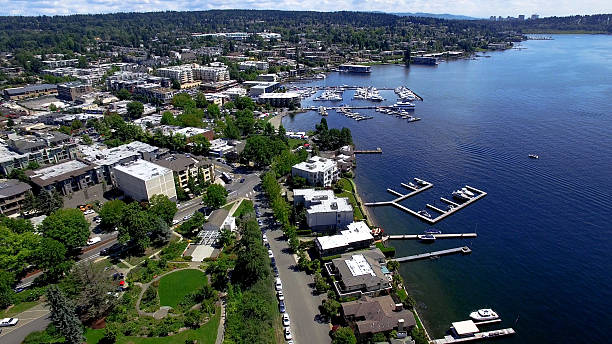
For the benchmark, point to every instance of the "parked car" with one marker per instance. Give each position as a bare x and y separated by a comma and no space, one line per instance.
270,254
278,284
117,247
288,333
286,321
280,295
94,240
281,306
8,322
88,212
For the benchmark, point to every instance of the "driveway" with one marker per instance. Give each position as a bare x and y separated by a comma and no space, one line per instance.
34,319
302,305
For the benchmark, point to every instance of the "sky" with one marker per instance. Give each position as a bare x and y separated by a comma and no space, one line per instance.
475,8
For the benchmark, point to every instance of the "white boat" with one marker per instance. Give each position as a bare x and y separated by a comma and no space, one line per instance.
424,213
467,192
533,156
484,315
460,195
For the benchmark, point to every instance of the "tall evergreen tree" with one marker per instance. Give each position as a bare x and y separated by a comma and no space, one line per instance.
64,316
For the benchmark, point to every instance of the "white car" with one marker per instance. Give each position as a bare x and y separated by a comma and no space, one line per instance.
8,322
280,295
94,240
288,333
87,212
270,254
175,222
278,284
286,321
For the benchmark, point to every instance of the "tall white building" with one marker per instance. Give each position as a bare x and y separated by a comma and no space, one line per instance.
141,180
211,73
317,171
182,74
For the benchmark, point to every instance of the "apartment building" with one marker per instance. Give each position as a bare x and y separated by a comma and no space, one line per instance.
186,167
12,196
324,211
317,171
142,179
72,90
183,74
67,178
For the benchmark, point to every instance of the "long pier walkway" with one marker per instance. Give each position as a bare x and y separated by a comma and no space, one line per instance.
437,236
462,250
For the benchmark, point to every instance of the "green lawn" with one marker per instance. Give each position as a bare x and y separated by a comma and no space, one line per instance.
206,334
18,308
245,207
346,184
174,287
294,143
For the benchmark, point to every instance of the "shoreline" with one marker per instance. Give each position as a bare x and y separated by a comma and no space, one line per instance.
370,221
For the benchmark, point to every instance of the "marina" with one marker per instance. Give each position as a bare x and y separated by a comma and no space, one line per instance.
423,215
434,254
421,186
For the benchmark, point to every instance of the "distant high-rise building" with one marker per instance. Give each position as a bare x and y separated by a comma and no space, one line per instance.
535,16
493,18
521,17
500,18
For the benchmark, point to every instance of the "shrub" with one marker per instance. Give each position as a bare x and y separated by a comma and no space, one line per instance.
387,251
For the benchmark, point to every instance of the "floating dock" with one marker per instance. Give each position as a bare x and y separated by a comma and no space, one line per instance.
476,336
462,250
443,213
437,236
416,189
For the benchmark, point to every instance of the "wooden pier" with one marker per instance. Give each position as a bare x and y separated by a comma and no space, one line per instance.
443,213
416,189
437,236
371,151
462,250
476,336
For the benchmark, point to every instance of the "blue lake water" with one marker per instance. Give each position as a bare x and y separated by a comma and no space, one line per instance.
543,256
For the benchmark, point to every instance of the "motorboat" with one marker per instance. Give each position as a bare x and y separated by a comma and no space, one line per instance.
411,184
467,192
458,194
432,231
424,213
484,315
427,237
533,156
421,182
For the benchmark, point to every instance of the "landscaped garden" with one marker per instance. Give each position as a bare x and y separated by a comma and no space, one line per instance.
174,287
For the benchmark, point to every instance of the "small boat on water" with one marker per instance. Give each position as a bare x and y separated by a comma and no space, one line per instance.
484,315
467,192
534,156
458,194
427,237
432,231
421,182
411,184
424,213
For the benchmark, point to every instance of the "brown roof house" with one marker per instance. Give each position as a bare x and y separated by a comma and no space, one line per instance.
360,273
370,315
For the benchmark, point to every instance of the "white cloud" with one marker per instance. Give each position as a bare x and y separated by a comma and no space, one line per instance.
478,8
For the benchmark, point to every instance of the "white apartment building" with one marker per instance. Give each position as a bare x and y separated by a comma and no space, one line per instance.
182,74
259,65
141,180
324,211
211,73
317,171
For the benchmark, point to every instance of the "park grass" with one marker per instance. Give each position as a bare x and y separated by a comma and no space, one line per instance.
175,286
206,334
295,143
18,308
245,207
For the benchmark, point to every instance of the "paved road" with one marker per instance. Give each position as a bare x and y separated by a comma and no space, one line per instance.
302,305
34,319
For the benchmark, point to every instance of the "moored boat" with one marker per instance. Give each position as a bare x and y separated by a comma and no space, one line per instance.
484,315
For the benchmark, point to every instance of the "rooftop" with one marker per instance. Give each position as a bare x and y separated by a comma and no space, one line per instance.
465,327
378,314
112,156
12,187
143,169
316,164
362,270
55,173
285,95
329,205
356,232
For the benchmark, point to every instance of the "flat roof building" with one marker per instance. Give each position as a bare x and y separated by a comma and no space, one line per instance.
359,274
29,91
186,167
317,171
67,178
141,180
72,90
324,211
357,235
287,99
